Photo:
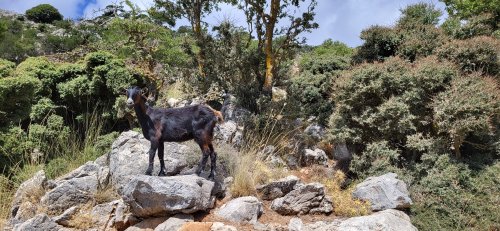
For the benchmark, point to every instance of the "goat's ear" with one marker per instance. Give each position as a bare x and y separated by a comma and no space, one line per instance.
144,91
124,91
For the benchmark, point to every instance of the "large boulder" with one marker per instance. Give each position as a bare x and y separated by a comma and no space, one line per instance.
243,209
383,192
75,188
156,196
39,222
128,158
278,188
387,220
309,198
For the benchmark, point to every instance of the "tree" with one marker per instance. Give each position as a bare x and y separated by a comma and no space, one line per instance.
264,17
192,10
465,9
43,13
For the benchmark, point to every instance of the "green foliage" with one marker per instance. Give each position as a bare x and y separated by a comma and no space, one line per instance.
13,148
17,41
461,199
410,119
475,54
420,41
42,109
465,9
482,24
419,14
414,36
386,101
471,106
50,137
379,43
17,95
378,158
6,68
43,13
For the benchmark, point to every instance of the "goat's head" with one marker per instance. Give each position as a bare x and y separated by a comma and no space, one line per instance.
134,96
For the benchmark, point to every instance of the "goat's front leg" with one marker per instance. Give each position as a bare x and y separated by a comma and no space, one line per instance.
161,154
151,152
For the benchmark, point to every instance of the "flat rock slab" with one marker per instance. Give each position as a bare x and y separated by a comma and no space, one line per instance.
384,192
387,220
157,196
128,158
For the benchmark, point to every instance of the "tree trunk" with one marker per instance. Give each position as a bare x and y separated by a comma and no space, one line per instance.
270,59
199,38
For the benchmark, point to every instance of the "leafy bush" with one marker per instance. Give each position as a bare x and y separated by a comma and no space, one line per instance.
470,106
379,43
18,41
420,41
482,24
475,54
6,68
311,87
17,95
386,101
43,13
417,15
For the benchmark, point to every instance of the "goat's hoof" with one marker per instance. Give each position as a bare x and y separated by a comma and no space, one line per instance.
149,172
211,177
162,173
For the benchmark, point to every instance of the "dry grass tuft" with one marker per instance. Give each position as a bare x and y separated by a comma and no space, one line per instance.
105,195
343,202
83,220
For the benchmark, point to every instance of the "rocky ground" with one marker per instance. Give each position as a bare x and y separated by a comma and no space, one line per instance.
112,193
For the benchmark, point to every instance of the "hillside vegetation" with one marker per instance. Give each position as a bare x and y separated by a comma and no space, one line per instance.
418,98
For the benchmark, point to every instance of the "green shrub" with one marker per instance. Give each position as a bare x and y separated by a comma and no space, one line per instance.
378,159
42,109
379,43
470,107
43,13
420,41
14,148
17,95
417,15
6,68
475,54
18,41
386,101
477,25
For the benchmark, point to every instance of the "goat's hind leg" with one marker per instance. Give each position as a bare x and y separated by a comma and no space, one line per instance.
161,154
152,152
205,150
213,160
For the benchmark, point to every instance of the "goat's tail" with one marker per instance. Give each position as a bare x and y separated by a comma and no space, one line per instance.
218,114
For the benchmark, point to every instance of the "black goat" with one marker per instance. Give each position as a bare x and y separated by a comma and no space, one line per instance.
161,125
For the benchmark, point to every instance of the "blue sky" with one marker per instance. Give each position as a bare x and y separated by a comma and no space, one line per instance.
340,20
